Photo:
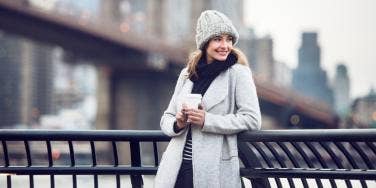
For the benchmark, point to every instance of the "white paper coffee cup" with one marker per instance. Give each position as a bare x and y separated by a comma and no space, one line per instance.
192,100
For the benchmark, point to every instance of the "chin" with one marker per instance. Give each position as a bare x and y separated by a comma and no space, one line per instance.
222,58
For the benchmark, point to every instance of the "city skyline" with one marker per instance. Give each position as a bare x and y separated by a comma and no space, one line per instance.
345,29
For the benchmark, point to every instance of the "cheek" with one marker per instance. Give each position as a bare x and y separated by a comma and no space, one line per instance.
230,45
211,51
214,45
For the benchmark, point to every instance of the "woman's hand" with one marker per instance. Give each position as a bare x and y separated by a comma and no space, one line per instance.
195,116
181,118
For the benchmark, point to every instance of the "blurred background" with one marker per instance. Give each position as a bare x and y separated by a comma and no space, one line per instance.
113,64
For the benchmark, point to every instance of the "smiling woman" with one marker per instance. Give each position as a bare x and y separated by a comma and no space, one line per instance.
203,149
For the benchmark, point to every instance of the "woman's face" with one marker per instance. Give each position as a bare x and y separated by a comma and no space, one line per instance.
219,47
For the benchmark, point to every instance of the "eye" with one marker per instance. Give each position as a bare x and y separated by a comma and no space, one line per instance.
217,38
230,39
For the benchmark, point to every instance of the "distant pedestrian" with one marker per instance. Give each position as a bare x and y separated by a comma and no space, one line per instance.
203,150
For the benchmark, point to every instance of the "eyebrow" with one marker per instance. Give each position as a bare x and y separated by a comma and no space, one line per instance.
223,36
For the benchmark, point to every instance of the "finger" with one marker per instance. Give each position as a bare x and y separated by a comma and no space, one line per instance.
200,106
179,114
194,118
196,123
180,119
196,113
192,114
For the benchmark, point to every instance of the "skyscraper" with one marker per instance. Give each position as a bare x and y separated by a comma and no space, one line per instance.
10,77
264,59
26,81
42,74
309,78
341,90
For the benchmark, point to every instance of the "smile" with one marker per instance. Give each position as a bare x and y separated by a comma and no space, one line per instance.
223,52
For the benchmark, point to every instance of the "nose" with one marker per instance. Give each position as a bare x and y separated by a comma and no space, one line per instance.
223,44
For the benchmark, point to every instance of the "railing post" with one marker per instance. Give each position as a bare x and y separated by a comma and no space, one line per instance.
136,179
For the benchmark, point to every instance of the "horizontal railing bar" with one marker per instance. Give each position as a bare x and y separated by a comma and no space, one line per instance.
304,173
309,135
154,135
82,135
99,170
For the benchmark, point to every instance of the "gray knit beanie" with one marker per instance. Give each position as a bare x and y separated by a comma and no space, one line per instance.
212,23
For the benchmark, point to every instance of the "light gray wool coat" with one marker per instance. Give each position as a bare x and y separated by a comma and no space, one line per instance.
231,106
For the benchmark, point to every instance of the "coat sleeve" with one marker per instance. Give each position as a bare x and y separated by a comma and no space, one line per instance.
247,115
168,117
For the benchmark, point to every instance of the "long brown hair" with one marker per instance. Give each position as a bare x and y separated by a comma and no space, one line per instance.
195,56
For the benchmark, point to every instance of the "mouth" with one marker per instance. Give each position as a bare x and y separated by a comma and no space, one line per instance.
222,53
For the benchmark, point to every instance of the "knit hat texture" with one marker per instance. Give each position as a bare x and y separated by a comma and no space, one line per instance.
212,23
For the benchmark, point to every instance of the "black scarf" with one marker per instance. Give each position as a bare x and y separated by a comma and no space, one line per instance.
206,73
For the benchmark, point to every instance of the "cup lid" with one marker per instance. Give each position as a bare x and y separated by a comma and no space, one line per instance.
194,95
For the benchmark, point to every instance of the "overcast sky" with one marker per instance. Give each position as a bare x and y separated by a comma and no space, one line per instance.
347,33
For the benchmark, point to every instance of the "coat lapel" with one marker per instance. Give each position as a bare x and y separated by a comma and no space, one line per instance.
217,91
187,88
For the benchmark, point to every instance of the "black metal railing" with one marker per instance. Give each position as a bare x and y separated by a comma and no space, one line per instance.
309,158
132,138
276,158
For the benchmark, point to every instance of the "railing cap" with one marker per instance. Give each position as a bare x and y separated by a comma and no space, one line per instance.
340,135
82,135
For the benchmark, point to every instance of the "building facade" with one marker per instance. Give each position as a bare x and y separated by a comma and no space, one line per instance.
26,77
263,60
10,77
341,90
363,112
309,78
